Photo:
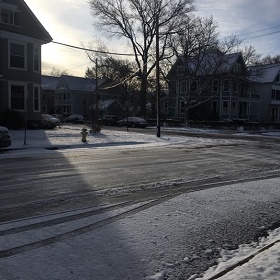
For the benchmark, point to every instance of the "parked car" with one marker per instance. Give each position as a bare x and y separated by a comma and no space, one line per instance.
58,116
48,121
5,138
133,122
75,118
109,120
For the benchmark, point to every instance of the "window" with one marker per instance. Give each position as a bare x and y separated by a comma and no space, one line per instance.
67,109
194,85
7,16
234,108
182,107
237,68
8,13
235,86
180,70
17,97
36,99
36,58
225,108
183,86
214,106
166,107
215,84
275,94
226,86
17,55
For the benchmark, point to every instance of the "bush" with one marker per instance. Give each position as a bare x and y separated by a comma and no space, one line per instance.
12,119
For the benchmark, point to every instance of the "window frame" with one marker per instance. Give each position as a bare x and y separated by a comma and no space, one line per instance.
39,98
212,106
225,109
226,88
234,107
24,45
215,85
24,85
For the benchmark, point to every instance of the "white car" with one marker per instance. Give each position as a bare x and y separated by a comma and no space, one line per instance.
49,121
5,138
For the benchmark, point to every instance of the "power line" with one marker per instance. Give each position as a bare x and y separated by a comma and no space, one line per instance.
91,50
265,29
263,35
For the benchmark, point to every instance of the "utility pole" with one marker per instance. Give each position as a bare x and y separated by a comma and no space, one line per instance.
157,75
96,91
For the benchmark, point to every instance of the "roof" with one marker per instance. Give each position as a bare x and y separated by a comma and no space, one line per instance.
264,73
78,83
49,82
28,24
213,62
105,104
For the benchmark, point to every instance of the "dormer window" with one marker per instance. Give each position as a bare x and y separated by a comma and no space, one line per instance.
237,68
8,14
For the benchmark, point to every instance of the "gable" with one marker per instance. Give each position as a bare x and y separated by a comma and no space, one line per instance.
16,17
210,63
265,73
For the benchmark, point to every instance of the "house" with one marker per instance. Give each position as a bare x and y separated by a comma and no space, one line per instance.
78,95
213,87
48,86
265,80
109,107
21,38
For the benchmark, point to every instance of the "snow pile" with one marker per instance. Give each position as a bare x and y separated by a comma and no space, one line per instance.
255,261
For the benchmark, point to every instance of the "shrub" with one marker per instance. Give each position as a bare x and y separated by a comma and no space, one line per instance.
12,119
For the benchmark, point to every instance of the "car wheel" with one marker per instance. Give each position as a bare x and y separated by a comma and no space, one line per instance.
120,124
133,125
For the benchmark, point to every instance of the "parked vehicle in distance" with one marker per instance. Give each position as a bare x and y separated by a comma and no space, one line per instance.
5,138
58,116
133,122
75,118
48,121
109,120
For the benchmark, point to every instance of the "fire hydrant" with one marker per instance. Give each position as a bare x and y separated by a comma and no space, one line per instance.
84,134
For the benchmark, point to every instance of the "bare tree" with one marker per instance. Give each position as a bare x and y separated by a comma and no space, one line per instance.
271,59
250,56
57,72
137,21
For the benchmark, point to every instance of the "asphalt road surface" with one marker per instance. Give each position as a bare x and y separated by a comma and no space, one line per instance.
49,183
122,179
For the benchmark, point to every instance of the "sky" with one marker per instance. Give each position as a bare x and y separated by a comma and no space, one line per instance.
142,243
257,22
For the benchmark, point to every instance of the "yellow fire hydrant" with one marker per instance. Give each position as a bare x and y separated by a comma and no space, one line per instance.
84,134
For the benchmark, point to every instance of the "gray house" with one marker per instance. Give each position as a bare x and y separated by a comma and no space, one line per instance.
213,87
68,95
265,81
21,38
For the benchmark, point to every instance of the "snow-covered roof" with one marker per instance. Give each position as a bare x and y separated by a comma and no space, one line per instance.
213,62
49,82
79,83
264,73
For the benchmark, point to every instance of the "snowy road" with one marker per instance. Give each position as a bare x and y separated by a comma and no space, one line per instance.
76,178
147,209
175,239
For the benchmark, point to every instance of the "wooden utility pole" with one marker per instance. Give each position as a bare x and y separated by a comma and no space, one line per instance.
96,91
157,75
